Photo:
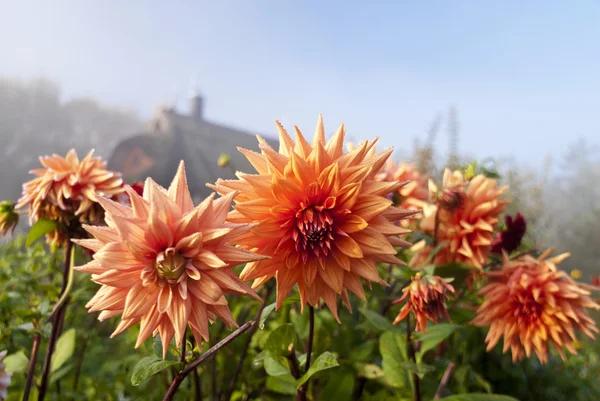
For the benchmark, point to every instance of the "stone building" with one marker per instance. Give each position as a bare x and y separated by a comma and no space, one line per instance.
173,136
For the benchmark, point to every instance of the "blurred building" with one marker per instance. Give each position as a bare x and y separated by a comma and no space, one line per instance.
173,136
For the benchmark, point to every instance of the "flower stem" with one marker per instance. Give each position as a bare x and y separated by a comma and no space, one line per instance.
197,386
240,365
178,379
444,381
57,316
311,335
31,371
295,368
411,355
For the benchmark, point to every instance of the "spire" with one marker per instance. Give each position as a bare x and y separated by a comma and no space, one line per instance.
196,101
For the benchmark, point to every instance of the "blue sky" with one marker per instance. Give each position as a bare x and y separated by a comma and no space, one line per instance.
524,76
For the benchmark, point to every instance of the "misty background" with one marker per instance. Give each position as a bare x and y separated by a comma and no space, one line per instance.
448,81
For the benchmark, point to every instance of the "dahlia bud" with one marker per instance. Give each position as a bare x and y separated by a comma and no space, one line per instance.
224,160
426,297
8,217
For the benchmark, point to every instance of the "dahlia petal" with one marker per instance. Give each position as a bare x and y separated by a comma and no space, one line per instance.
234,255
148,324
286,145
199,320
139,301
103,234
227,280
335,146
371,206
140,207
333,277
210,259
224,314
179,192
302,148
166,332
124,325
319,138
373,243
117,256
257,160
348,247
165,298
179,313
207,291
353,223
92,267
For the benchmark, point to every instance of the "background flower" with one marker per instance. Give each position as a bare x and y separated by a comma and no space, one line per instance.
530,303
465,213
66,190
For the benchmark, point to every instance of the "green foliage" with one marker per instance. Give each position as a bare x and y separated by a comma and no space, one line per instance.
39,229
149,366
325,361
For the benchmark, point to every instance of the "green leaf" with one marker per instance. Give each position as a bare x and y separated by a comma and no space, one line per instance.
338,387
276,366
456,270
435,335
378,321
261,356
280,339
65,346
478,397
368,370
147,367
265,314
393,351
325,361
282,384
362,352
17,362
39,229
420,369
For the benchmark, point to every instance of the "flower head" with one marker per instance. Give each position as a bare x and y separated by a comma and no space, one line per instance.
165,263
66,190
323,218
8,218
426,297
465,213
531,303
4,377
414,194
510,239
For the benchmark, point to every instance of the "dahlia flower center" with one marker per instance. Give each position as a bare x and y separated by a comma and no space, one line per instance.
527,308
170,265
314,229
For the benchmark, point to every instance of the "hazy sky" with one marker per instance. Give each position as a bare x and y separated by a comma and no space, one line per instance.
524,76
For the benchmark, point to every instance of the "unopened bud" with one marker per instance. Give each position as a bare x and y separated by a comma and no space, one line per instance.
8,217
224,160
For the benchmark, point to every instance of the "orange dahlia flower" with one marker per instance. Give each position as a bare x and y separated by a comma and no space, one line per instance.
465,213
323,218
165,263
426,297
531,303
66,190
412,195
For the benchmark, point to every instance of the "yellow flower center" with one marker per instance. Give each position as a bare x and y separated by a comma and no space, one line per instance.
170,265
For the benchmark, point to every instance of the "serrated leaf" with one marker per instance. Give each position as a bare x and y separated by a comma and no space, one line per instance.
39,229
65,346
149,366
265,314
478,397
378,321
282,384
325,361
435,335
17,362
280,339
